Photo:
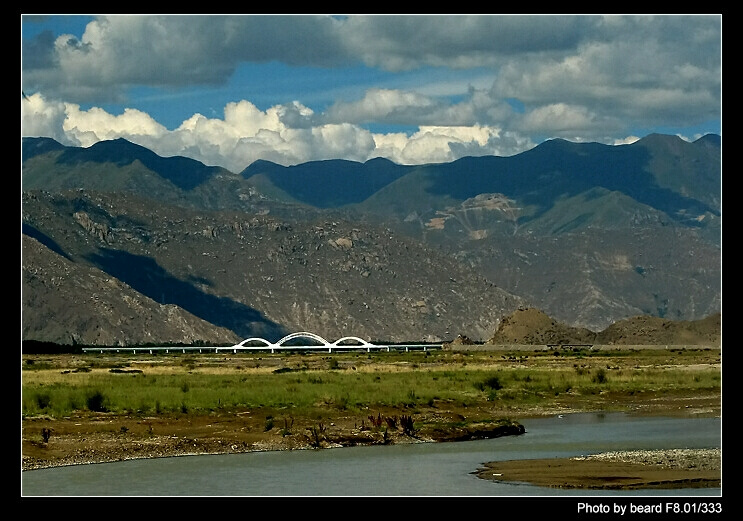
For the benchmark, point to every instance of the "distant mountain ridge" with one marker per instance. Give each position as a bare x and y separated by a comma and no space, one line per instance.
555,168
590,233
351,182
183,172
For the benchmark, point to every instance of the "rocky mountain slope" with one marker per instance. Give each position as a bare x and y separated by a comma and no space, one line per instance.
70,303
589,233
254,275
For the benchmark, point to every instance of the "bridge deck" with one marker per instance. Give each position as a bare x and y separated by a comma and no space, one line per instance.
262,348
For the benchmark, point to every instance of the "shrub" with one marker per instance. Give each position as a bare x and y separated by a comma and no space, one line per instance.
492,382
43,400
316,435
95,401
286,431
599,376
406,422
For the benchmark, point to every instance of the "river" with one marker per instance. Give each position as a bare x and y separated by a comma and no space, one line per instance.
424,469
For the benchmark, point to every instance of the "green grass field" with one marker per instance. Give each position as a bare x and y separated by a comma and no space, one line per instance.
58,386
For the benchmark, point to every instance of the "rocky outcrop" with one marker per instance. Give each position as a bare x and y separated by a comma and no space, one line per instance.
532,326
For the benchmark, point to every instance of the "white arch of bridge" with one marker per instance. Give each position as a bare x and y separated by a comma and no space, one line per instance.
254,339
357,339
306,334
303,334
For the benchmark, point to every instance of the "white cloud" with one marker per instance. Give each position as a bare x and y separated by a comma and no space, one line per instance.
444,144
541,52
560,119
40,118
121,51
90,126
394,106
641,70
247,133
626,141
578,77
383,105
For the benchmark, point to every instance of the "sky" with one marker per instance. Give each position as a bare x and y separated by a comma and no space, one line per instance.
228,90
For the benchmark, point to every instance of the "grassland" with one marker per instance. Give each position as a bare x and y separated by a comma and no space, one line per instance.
126,405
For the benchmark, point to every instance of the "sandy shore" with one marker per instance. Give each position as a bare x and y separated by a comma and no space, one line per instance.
625,470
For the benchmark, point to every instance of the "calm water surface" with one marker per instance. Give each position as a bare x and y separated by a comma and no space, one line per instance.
426,469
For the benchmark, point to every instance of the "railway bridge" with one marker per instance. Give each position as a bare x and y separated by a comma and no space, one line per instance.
300,341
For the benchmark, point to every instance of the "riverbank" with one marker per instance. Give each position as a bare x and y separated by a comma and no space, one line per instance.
89,438
476,411
108,438
101,437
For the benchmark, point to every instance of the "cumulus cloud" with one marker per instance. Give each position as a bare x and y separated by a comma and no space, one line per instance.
640,69
246,134
444,144
117,52
402,42
384,105
561,119
42,118
579,77
89,127
537,53
411,108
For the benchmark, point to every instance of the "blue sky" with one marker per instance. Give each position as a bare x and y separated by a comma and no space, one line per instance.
228,90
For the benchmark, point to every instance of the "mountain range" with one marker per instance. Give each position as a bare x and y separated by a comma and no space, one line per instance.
122,246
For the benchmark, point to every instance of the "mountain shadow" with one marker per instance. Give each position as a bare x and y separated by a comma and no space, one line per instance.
147,277
329,183
30,231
